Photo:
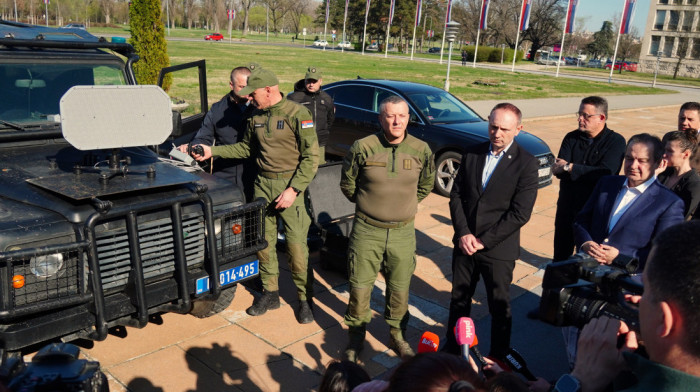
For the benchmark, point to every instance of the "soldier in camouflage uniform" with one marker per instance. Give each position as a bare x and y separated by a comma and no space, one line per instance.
386,175
282,138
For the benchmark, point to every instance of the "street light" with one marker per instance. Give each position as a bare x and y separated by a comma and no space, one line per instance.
451,30
656,70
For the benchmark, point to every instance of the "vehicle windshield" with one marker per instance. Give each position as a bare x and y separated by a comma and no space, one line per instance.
442,107
31,92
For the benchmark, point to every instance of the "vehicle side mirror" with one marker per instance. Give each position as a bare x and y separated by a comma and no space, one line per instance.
177,124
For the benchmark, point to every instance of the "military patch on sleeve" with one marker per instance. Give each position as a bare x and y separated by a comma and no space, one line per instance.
280,124
407,164
307,124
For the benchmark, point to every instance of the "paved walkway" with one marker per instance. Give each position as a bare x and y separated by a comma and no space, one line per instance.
235,352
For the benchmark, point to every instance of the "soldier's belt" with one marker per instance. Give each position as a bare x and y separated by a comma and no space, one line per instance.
277,176
381,224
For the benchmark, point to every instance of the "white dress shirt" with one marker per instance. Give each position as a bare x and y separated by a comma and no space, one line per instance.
491,163
626,197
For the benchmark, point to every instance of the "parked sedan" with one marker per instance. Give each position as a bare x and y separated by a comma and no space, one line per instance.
437,117
434,49
214,37
345,44
320,43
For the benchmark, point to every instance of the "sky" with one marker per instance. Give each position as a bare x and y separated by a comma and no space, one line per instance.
595,12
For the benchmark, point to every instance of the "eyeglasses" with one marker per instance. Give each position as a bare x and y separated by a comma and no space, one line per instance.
585,115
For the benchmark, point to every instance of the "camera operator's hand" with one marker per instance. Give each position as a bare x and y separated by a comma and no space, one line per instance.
598,360
182,148
469,244
206,153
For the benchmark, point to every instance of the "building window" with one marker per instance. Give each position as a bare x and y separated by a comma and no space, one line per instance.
691,2
660,18
668,46
695,49
674,17
687,20
654,46
663,1
682,49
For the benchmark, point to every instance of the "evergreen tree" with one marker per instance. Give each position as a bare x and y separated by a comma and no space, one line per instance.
148,38
602,44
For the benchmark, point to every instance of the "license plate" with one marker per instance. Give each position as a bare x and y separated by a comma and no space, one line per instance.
544,172
229,276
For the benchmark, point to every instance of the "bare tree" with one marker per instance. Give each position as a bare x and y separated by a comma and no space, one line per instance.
246,5
545,28
278,9
297,9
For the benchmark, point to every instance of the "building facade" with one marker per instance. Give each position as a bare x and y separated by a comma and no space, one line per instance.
672,37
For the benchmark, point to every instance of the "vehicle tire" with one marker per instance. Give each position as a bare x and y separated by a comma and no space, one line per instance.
445,171
202,308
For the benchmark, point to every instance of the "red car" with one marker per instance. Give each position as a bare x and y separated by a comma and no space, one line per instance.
626,66
214,37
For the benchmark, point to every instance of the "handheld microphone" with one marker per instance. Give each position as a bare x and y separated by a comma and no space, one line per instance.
517,363
465,334
428,343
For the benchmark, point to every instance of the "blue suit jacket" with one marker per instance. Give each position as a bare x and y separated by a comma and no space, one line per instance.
655,210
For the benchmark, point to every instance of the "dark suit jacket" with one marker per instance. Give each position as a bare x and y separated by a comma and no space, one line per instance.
655,210
495,214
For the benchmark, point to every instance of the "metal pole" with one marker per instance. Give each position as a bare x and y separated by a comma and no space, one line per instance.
342,41
325,29
267,24
46,6
503,50
447,79
476,48
656,70
386,42
16,11
442,45
167,13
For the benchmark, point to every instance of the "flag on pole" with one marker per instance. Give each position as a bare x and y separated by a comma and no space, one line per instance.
571,14
46,2
627,16
525,15
231,14
328,9
484,14
418,11
448,14
391,12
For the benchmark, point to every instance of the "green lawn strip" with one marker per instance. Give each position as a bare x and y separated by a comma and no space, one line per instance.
467,83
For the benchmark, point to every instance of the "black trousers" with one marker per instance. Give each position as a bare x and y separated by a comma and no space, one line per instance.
564,233
497,275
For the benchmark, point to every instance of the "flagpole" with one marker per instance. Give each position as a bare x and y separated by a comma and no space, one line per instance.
443,42
476,48
345,18
517,36
46,6
617,42
415,25
561,48
325,25
364,32
386,41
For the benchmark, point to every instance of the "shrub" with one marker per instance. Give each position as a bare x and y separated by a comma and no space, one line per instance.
148,38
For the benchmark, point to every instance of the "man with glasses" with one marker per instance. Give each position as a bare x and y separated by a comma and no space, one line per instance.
586,154
308,92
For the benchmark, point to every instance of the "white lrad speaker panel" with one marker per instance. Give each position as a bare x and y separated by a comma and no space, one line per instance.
103,117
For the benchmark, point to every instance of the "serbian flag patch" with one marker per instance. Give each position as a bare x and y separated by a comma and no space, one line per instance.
307,124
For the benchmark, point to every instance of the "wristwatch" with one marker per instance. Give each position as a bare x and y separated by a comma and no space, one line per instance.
298,191
567,167
567,383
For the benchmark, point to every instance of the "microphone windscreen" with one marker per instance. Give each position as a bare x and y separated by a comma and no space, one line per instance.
465,332
428,343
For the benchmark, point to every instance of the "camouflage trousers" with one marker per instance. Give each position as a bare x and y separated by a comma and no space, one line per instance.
296,221
391,251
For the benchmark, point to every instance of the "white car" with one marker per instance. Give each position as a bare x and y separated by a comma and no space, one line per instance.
553,60
321,43
373,46
345,45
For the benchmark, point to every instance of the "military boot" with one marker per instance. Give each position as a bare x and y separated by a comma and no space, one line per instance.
356,342
399,344
268,301
305,313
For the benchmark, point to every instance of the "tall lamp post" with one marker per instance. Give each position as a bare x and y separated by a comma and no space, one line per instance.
656,69
451,30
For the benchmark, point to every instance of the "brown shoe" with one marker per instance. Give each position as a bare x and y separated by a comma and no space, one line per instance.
400,345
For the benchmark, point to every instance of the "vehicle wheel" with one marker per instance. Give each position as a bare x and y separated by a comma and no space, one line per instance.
445,171
202,308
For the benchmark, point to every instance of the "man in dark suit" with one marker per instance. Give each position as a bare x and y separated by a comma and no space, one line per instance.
491,199
625,213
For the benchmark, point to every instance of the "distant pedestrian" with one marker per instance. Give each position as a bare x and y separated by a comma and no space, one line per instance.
464,57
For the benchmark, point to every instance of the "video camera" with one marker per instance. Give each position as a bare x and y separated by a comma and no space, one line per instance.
579,289
54,368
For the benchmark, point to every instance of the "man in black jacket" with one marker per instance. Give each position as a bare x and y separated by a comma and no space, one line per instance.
586,154
225,123
308,92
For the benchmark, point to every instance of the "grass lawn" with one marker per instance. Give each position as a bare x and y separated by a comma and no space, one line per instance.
289,64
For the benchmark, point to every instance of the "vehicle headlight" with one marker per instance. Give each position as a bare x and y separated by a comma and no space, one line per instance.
46,266
217,228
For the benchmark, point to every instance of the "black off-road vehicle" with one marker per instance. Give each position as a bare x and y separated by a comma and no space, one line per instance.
96,229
